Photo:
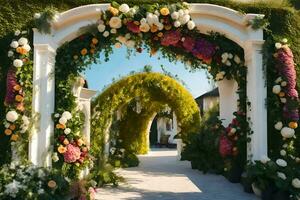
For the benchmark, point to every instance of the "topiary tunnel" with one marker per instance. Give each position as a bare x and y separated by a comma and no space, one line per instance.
153,91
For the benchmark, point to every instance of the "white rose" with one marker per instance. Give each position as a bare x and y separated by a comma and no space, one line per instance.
230,56
180,12
101,28
27,47
14,44
281,175
283,100
12,116
281,162
157,13
283,153
278,80
278,126
67,115
191,25
67,131
132,10
184,19
228,63
124,8
121,39
285,146
55,157
175,15
287,132
106,34
62,120
283,83
10,53
130,43
25,119
150,19
22,41
113,31
177,24
278,45
237,59
144,27
56,115
17,32
160,26
276,89
186,11
143,20
224,56
264,159
18,63
118,45
296,183
115,22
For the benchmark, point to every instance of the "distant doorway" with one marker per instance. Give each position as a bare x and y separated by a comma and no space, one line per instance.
153,133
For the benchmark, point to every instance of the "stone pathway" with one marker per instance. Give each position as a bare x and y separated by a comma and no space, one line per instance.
161,176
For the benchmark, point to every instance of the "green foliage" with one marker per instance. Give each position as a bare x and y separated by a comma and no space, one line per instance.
42,21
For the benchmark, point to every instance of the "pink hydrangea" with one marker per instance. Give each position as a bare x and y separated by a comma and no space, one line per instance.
72,154
171,38
11,81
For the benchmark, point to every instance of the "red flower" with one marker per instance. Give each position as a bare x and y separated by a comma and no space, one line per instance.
61,138
171,38
189,44
11,82
133,27
225,146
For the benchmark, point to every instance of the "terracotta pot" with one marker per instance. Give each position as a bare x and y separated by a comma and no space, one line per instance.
256,190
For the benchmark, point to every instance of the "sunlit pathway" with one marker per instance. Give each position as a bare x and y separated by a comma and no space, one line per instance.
161,176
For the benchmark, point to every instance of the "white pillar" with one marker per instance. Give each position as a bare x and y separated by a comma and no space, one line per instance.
257,94
42,104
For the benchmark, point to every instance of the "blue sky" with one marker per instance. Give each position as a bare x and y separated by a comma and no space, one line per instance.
119,65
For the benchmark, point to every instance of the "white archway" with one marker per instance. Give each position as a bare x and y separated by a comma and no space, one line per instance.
207,17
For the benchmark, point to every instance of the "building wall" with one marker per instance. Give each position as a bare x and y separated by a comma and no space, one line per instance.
209,102
162,128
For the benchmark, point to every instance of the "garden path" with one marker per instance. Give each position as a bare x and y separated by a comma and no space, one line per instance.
161,176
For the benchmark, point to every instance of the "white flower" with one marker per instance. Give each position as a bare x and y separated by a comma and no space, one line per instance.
112,150
132,11
101,28
220,76
14,44
191,25
237,59
284,40
285,145
283,153
144,27
10,53
276,89
180,12
63,120
283,83
143,20
230,56
287,132
22,41
278,126
18,63
228,63
57,115
118,45
121,39
25,120
17,32
296,183
264,159
124,8
113,31
37,15
27,47
281,162
42,191
283,100
157,13
175,15
6,125
115,22
278,80
278,45
67,131
127,36
55,157
160,26
281,175
12,116
186,11
224,56
67,115
184,19
177,24
130,43
233,130
106,34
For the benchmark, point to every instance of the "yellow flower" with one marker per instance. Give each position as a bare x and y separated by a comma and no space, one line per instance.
19,98
52,184
8,132
14,137
293,125
95,41
83,51
113,10
154,28
60,126
164,11
80,142
61,149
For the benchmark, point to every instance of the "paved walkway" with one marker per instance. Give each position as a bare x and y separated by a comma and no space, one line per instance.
161,176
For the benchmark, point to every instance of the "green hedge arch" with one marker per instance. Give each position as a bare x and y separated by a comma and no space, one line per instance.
153,90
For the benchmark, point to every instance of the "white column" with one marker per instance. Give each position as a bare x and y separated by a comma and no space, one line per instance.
42,104
257,94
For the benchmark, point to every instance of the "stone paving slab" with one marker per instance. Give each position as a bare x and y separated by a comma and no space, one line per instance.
161,176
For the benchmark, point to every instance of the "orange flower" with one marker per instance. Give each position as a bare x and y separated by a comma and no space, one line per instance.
20,107
83,51
8,132
66,141
52,184
164,11
113,10
154,28
95,41
61,149
293,125
14,137
12,127
80,142
19,98
60,126
21,50
281,94
17,87
160,34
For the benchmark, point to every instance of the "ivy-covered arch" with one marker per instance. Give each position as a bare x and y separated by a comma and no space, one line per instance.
152,90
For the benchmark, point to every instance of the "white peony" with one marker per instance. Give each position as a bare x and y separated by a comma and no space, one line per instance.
283,153
12,116
18,63
62,120
105,34
278,126
14,44
115,22
17,32
180,12
283,83
296,183
264,159
276,89
67,115
281,175
237,59
113,31
101,28
184,19
191,25
22,41
27,47
281,162
287,132
124,8
144,27
177,24
175,15
10,53
67,131
278,45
